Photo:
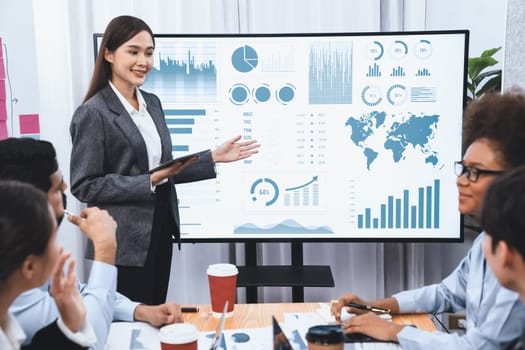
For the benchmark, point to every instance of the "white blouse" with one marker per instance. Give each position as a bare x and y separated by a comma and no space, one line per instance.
11,334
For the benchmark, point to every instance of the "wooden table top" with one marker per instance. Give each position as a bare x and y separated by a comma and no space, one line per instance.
260,315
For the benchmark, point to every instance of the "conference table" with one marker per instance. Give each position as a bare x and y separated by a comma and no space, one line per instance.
260,315
255,319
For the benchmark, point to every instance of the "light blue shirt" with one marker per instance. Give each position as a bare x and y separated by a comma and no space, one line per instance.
495,315
36,308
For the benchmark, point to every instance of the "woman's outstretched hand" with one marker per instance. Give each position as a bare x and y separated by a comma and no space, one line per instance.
232,150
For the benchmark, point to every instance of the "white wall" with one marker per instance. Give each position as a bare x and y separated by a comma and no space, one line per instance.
33,84
513,73
20,56
484,18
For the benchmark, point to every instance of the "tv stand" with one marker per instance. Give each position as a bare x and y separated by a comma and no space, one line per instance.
295,275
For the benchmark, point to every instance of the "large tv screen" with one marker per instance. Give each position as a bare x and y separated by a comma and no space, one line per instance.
358,133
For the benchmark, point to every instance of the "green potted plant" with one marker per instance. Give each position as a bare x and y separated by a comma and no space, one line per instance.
481,80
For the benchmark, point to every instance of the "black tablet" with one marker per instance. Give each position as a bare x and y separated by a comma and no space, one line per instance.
182,160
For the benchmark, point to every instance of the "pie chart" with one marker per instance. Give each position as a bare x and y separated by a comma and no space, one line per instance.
244,59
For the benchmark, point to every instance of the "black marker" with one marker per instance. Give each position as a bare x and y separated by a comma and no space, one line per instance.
189,309
379,310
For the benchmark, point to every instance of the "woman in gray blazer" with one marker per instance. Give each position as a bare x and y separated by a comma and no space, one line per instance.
118,134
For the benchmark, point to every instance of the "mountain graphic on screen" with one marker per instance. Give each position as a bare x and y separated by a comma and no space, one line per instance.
378,132
287,226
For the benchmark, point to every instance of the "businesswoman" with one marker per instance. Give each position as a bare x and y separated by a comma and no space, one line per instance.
118,133
494,135
28,257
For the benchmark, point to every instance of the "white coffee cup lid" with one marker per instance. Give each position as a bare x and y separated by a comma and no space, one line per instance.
222,270
178,333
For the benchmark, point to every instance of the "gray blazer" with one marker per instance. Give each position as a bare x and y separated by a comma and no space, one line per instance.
109,168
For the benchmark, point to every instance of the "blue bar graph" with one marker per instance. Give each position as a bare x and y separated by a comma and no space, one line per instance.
330,73
373,71
399,212
413,211
383,215
405,208
420,202
423,73
184,73
180,130
436,203
180,148
429,206
181,121
397,72
390,211
186,112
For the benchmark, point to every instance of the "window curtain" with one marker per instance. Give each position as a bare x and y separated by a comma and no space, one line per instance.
63,31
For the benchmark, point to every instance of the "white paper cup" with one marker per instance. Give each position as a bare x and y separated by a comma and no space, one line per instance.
178,336
222,280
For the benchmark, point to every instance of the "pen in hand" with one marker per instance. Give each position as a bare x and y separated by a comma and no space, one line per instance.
68,213
379,310
189,309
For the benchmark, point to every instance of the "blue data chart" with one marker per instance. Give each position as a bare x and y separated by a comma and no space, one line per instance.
423,49
181,122
184,73
409,211
397,94
289,226
285,94
358,133
239,94
397,72
423,94
262,93
399,49
330,73
373,71
423,72
375,50
371,96
305,195
265,190
280,59
245,59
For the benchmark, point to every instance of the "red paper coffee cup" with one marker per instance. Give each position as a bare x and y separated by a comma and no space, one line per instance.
178,336
222,279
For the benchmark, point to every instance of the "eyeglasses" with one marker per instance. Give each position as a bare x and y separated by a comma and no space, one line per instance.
472,173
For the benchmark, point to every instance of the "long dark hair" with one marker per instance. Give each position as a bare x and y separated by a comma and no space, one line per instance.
118,31
26,225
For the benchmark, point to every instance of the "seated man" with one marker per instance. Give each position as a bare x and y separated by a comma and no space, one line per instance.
35,162
504,242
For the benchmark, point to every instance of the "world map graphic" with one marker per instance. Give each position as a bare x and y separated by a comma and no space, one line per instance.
378,131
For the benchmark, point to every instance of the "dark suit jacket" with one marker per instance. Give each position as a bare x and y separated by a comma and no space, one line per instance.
109,169
50,337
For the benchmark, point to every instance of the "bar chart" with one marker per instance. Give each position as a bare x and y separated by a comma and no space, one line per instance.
181,122
330,73
409,210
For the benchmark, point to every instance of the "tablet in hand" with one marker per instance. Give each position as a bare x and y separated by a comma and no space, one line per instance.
169,163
